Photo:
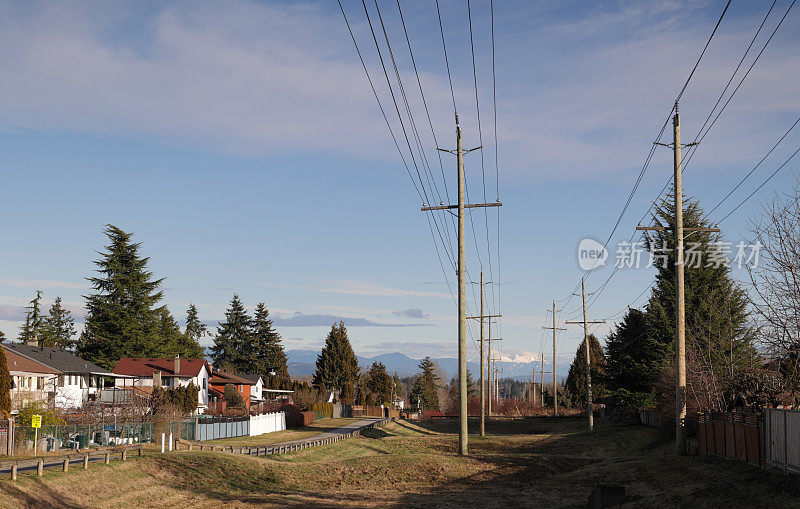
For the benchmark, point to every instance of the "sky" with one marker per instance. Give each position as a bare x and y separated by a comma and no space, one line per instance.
241,144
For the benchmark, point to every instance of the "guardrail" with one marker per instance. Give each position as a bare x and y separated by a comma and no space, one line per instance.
268,450
39,464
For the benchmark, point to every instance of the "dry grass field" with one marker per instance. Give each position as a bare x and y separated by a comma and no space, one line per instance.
536,462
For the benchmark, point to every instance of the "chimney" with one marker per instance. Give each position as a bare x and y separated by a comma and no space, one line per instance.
156,378
177,364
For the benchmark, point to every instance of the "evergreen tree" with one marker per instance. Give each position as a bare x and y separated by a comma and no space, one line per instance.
576,378
337,364
5,385
233,338
59,327
267,355
397,386
189,342
425,390
717,335
632,356
379,383
33,328
123,315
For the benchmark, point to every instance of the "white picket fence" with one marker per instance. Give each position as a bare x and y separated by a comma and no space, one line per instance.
267,423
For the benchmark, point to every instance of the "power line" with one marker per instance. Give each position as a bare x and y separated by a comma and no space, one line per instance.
446,61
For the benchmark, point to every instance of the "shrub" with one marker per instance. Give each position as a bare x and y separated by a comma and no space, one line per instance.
232,396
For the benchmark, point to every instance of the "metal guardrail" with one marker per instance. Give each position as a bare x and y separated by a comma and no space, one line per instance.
268,450
39,464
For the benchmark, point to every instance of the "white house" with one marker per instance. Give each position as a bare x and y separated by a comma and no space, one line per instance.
177,372
256,388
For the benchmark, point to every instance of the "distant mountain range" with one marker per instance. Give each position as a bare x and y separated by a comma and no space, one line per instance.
303,363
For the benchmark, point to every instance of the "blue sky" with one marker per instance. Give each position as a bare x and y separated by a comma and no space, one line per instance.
241,144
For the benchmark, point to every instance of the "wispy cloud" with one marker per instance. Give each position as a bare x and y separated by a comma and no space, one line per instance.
326,320
412,313
42,284
372,289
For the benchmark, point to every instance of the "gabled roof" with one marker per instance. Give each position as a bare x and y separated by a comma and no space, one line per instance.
18,363
251,377
146,366
56,358
223,377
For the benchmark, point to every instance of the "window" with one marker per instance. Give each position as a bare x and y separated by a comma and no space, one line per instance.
61,380
41,383
204,384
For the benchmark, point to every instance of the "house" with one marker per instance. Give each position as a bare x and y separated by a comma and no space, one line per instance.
256,387
72,381
170,373
218,381
31,381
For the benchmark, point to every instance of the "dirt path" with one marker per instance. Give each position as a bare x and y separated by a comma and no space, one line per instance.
348,428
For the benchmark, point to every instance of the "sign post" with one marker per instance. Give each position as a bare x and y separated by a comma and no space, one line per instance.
36,423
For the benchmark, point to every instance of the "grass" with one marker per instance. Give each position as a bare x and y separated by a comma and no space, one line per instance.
314,428
536,462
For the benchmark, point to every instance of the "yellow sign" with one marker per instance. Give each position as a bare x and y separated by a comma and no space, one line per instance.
36,421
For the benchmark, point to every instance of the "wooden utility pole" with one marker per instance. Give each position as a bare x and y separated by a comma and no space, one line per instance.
680,303
492,388
483,359
462,283
555,386
585,322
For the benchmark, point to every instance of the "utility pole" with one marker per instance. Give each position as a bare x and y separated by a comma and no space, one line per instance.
483,360
462,283
541,375
680,304
492,388
555,387
585,322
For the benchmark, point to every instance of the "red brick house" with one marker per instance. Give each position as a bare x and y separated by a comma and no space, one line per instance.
218,381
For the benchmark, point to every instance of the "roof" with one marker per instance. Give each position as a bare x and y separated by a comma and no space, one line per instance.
146,366
223,377
56,358
17,362
251,377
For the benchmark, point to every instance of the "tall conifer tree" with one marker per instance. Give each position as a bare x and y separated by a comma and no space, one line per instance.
425,388
233,338
5,385
59,328
195,329
337,364
576,377
123,315
33,328
267,351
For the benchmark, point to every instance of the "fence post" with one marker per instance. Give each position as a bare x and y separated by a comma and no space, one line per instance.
66,464
785,443
40,467
108,457
170,441
86,462
163,444
124,454
14,472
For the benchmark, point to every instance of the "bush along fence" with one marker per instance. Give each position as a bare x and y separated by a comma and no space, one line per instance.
63,463
267,450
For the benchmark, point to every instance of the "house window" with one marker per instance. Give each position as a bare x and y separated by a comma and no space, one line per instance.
41,383
61,380
204,384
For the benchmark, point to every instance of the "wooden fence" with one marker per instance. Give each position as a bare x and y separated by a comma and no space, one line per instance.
782,447
39,464
266,450
733,435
